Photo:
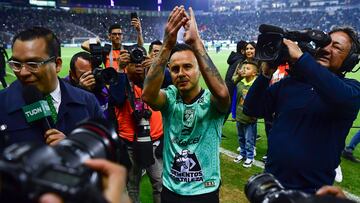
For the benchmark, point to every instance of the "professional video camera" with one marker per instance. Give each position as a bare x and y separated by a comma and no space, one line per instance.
98,56
270,47
28,170
137,53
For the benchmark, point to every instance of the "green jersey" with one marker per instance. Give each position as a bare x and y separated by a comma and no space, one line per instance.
192,134
242,89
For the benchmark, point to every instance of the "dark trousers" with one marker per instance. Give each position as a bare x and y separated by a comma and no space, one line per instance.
168,196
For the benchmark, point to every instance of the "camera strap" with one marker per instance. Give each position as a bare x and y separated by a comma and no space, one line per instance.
111,57
130,93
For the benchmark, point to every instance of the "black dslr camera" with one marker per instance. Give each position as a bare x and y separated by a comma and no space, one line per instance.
264,188
270,47
29,170
102,76
137,53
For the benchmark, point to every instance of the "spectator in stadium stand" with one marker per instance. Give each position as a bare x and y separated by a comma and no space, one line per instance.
127,96
233,60
81,76
216,26
193,117
115,35
36,60
314,109
3,55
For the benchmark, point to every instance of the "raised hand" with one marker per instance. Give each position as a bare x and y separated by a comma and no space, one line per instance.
137,24
176,20
191,34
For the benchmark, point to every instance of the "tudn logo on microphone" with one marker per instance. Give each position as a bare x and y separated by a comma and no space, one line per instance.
36,111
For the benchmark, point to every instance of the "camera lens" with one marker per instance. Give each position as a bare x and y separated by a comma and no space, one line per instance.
91,139
109,76
260,185
137,55
269,47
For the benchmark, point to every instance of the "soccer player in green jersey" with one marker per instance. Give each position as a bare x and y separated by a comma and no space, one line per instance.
192,116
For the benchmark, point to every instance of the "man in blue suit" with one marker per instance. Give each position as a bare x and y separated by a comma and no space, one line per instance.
36,60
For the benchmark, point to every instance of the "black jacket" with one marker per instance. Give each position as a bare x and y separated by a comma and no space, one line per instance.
233,60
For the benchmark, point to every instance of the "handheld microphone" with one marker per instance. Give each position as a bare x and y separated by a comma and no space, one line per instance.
36,108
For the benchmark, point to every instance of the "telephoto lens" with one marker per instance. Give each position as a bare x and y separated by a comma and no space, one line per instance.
28,170
265,188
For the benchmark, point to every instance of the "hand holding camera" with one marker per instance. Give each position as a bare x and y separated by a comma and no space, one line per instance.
124,59
331,190
113,179
266,70
147,63
87,81
294,50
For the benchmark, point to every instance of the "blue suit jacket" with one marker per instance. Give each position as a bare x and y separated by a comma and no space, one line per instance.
313,111
76,105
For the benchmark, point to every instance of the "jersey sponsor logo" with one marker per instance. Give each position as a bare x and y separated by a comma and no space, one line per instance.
186,167
185,142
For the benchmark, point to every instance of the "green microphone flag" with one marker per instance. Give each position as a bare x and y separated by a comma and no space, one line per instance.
36,111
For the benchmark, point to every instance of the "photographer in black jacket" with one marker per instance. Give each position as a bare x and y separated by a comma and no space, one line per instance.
313,110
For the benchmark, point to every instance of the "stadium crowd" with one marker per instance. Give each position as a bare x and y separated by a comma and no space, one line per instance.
214,26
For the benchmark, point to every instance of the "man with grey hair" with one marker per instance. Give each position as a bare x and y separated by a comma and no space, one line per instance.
313,110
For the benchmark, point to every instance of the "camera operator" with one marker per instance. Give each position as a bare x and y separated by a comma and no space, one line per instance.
36,60
193,117
116,37
130,112
313,109
114,179
80,75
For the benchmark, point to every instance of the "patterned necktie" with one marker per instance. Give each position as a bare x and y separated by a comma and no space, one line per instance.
52,108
